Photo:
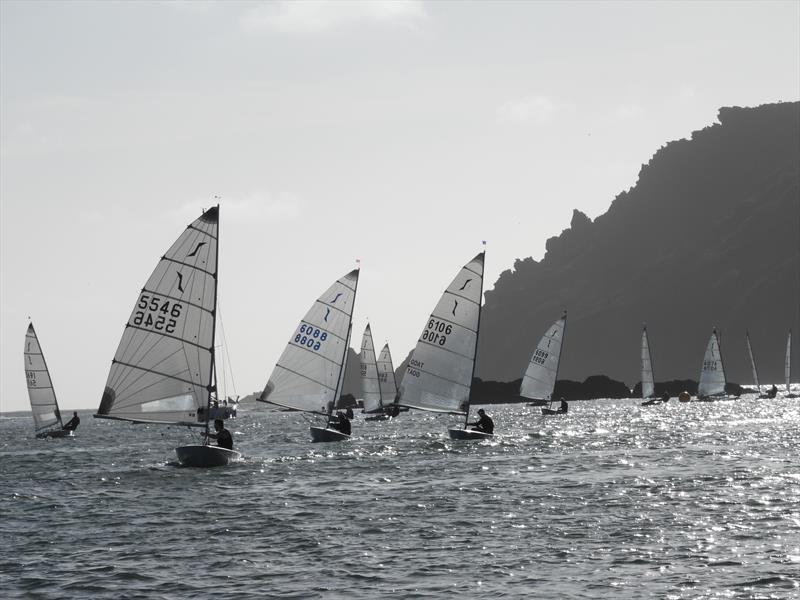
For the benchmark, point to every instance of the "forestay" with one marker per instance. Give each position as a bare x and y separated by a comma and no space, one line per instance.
162,371
712,375
386,376
308,373
540,377
44,405
648,384
439,374
370,384
752,360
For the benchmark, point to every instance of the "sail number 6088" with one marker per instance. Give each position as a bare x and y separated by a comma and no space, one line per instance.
310,337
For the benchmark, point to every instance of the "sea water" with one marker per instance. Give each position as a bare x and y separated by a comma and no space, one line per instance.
697,500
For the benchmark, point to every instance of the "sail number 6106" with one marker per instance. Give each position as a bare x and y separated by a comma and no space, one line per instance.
437,331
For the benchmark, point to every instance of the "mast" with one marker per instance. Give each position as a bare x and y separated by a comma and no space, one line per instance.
477,335
787,369
752,360
212,380
560,350
340,380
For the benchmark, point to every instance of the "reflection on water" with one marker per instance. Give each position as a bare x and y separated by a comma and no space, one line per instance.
675,501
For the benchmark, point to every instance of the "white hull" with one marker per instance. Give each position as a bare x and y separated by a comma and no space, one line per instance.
468,434
324,434
206,456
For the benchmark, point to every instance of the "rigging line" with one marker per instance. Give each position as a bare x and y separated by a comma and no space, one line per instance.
225,348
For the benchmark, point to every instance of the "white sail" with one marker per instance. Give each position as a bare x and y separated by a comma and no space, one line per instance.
540,377
386,376
370,384
787,367
44,405
439,374
163,369
712,375
309,372
648,384
752,360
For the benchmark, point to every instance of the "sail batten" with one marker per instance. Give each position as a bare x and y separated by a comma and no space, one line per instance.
164,363
539,380
712,375
439,374
308,373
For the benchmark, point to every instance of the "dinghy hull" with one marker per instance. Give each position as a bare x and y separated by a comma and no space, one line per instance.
56,433
206,456
468,434
324,434
550,411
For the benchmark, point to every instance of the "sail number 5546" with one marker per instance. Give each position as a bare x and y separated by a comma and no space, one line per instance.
436,332
157,313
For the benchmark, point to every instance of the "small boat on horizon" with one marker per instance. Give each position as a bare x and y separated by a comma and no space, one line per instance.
539,379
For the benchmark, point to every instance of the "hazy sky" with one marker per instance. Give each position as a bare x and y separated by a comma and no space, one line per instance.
399,133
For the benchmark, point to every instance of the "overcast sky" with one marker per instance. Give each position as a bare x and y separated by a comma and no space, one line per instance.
398,133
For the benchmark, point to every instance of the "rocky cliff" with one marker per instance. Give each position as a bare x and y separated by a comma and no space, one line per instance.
708,237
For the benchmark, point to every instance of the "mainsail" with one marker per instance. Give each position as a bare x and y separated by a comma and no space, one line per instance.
163,370
44,405
787,367
370,382
439,375
712,375
308,374
752,360
540,377
386,376
648,384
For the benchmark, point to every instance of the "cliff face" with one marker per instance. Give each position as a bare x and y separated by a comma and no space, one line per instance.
708,237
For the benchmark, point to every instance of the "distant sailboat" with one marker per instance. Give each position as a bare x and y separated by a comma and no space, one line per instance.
44,406
370,381
539,380
310,372
648,383
387,380
164,370
787,367
712,374
439,374
752,360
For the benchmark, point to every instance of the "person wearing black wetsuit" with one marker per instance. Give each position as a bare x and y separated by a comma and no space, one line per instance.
223,436
342,424
484,422
73,423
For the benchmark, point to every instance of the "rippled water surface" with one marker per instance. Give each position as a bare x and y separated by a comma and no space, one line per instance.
612,500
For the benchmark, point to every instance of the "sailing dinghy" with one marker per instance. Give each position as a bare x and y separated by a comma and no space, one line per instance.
753,365
44,406
388,382
539,380
370,381
787,367
648,383
309,374
712,374
439,374
164,370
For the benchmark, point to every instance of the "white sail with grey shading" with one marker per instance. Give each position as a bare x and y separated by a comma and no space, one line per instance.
370,383
439,374
44,405
787,367
712,374
752,360
386,377
309,373
164,367
648,383
539,380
